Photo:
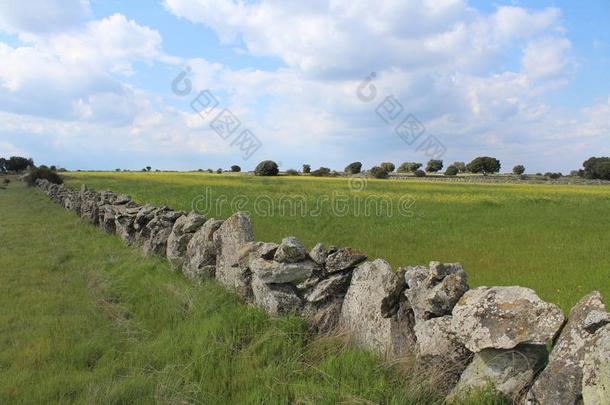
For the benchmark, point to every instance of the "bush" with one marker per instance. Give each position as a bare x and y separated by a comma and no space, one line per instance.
292,172
519,170
219,171
306,169
353,168
409,167
235,169
461,166
420,173
43,172
434,166
597,168
484,164
553,176
321,172
388,166
379,172
451,171
267,168
210,171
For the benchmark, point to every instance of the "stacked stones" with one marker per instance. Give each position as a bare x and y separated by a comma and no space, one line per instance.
481,336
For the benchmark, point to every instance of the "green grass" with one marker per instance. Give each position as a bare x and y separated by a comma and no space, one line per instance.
84,319
552,238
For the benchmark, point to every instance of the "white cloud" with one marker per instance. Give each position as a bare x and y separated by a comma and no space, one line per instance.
546,58
39,16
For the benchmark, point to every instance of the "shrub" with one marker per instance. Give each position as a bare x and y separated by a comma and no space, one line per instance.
577,173
461,166
420,173
484,164
210,171
353,168
306,169
235,169
117,170
388,166
597,168
409,167
266,168
379,172
219,171
434,166
519,170
451,171
292,172
553,176
43,172
321,172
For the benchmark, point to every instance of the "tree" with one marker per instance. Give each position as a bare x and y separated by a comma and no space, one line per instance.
484,164
306,169
117,170
235,169
379,172
461,166
519,170
3,163
409,167
597,168
17,164
451,171
219,171
43,172
388,166
148,168
266,168
292,172
420,173
434,166
321,172
353,168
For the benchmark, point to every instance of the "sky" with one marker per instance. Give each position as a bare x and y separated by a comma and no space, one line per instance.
189,84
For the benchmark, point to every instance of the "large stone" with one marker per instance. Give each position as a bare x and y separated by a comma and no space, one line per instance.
323,317
275,299
124,223
229,239
318,254
434,291
144,216
504,317
290,251
272,272
560,382
177,242
596,371
332,286
343,259
200,260
371,312
157,231
509,371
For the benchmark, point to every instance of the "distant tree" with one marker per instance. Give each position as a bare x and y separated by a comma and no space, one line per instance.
379,172
266,168
117,170
321,172
43,172
434,166
577,173
461,166
199,170
408,167
144,170
553,176
210,171
62,170
519,170
484,164
451,171
420,173
353,168
53,167
3,163
219,171
148,168
388,166
597,168
235,169
292,172
306,169
18,164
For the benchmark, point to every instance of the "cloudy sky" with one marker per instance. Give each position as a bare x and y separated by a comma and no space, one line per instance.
93,84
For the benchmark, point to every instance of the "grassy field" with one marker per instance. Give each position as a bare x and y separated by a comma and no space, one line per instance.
84,319
552,238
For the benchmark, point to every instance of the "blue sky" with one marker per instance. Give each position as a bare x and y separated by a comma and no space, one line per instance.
88,84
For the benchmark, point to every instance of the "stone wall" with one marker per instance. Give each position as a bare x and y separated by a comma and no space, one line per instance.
485,336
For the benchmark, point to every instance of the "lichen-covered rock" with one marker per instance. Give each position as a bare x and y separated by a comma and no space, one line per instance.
144,216
182,233
322,317
270,271
371,312
343,259
158,230
509,371
200,259
124,222
291,250
560,382
434,291
318,254
596,371
229,239
332,286
275,299
504,317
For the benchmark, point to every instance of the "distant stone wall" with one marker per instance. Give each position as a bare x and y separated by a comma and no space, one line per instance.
477,337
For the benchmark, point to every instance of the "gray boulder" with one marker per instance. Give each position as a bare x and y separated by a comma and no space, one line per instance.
318,254
560,382
504,317
235,232
144,216
343,259
322,317
332,286
434,291
275,299
182,232
124,222
158,230
200,258
596,371
290,251
272,272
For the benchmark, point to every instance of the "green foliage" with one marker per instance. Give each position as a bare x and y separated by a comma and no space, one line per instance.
461,166
553,176
451,171
292,172
353,168
266,168
409,167
235,169
388,166
15,164
321,172
306,169
484,164
419,173
597,168
434,165
519,170
219,171
379,172
43,172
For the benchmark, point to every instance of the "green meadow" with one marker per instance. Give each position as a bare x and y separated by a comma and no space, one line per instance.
552,238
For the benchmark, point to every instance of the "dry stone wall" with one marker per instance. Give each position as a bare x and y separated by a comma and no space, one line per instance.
481,337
